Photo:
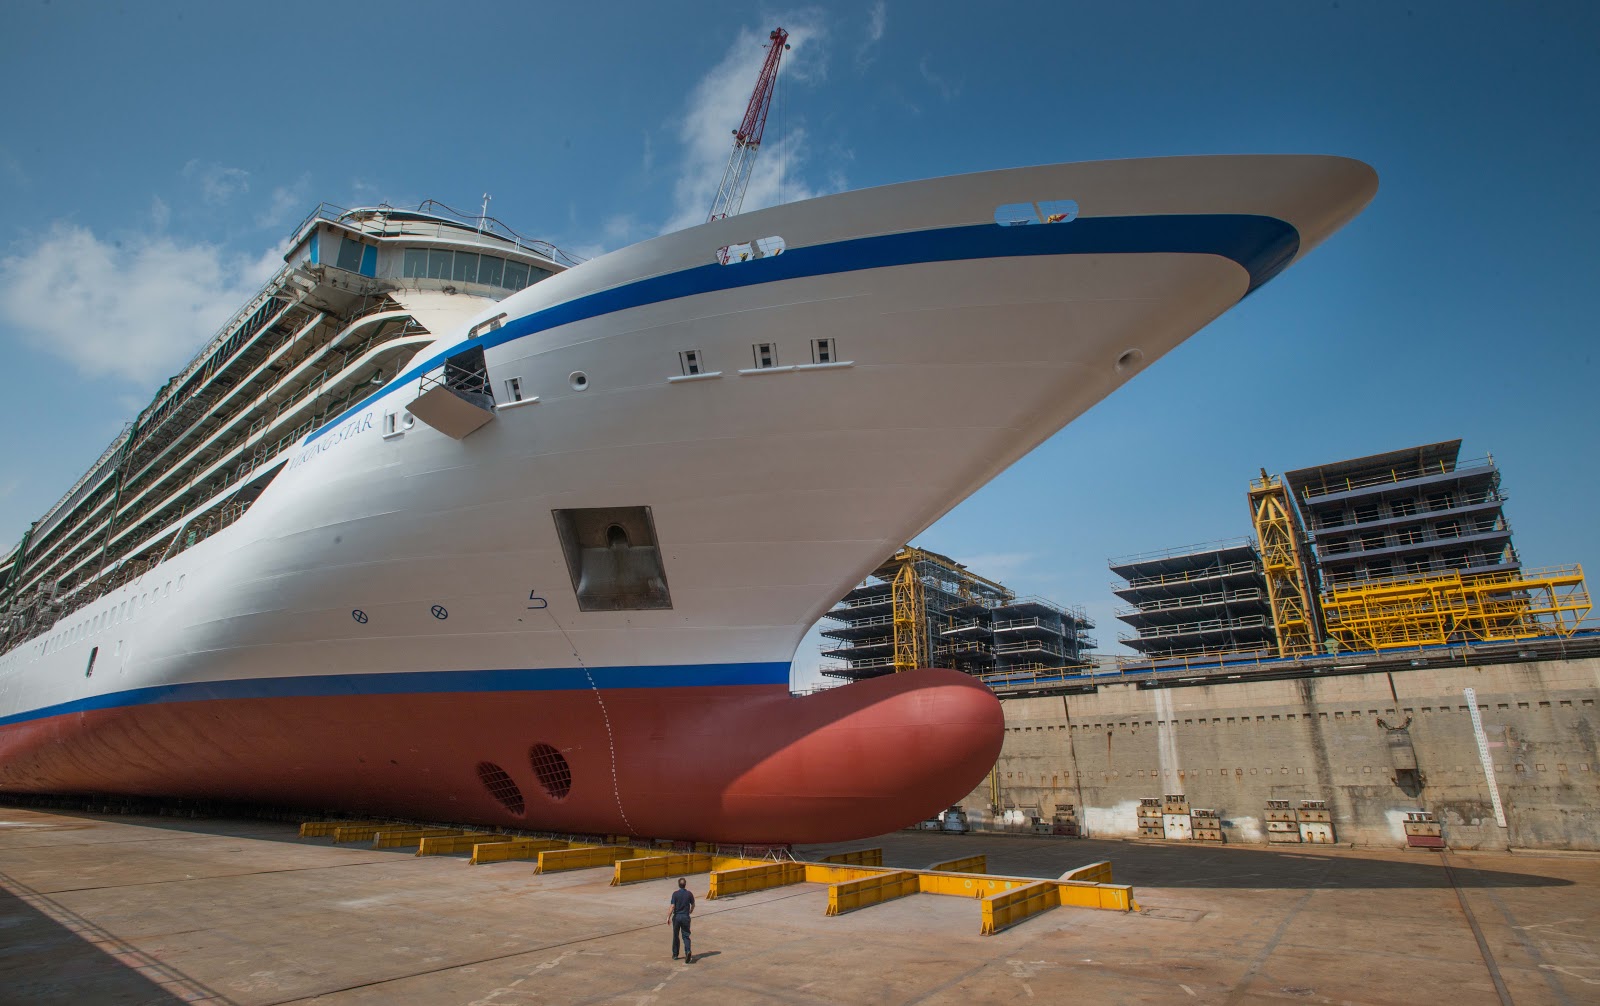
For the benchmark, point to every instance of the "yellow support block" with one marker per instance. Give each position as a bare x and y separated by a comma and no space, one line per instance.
873,890
967,885
1093,873
505,849
755,878
1005,910
1109,897
833,873
583,858
735,862
966,864
394,838
856,857
441,845
631,871
361,832
322,829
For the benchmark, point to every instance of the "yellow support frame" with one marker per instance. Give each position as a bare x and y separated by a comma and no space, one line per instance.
362,832
1431,609
632,871
966,864
1093,873
873,890
1006,910
322,829
856,857
1293,619
744,879
505,849
395,838
584,857
441,845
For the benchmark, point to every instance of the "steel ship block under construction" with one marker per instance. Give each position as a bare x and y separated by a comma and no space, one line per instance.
442,526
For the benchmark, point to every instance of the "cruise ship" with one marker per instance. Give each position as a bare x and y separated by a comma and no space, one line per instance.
444,526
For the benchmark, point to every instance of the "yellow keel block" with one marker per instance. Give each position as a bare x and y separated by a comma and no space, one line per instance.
873,890
1005,910
856,857
584,858
742,880
440,845
966,864
1093,873
501,849
322,829
631,871
395,838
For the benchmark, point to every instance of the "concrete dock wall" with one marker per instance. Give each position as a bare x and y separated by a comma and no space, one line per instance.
1234,745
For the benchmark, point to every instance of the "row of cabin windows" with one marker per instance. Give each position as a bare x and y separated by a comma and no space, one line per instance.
468,267
111,616
764,355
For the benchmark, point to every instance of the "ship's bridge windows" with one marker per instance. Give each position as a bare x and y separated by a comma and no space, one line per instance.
357,256
690,361
766,354
467,267
822,351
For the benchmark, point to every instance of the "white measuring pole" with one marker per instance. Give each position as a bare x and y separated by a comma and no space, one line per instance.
1483,756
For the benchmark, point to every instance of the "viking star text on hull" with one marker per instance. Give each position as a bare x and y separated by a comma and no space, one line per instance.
440,527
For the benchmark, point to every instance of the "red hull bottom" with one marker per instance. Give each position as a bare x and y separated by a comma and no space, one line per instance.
749,764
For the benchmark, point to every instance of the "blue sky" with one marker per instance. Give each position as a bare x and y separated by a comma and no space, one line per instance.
154,155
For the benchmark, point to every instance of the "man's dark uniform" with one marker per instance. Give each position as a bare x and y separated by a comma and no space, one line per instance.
682,905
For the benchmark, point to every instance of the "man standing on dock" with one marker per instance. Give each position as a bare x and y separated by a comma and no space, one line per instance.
678,915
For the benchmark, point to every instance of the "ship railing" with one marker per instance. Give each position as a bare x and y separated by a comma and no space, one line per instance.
481,223
1195,601
1394,475
1208,625
1027,623
1186,576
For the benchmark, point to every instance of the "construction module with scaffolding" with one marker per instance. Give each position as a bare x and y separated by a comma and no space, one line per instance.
1408,548
923,609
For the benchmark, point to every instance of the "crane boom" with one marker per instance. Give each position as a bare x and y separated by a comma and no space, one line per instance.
747,138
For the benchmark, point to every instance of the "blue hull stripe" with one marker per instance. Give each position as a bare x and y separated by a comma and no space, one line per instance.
1263,246
556,679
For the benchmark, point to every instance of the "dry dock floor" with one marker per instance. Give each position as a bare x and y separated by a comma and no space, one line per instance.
157,910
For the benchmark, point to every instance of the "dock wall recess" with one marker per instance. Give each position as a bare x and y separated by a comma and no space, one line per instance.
1234,745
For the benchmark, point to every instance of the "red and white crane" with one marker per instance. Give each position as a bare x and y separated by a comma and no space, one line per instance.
747,138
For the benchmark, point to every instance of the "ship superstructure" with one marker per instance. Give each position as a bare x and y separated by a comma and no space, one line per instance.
362,291
540,558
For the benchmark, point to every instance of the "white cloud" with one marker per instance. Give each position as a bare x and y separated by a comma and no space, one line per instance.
288,202
877,21
160,213
12,169
218,184
135,309
718,105
947,89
